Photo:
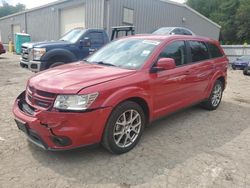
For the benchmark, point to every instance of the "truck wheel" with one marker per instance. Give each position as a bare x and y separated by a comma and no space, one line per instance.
213,102
246,71
124,128
56,64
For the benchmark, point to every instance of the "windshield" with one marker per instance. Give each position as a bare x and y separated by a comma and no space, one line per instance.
73,36
247,57
125,53
163,31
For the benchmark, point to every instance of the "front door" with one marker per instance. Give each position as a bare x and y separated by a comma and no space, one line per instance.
97,41
171,89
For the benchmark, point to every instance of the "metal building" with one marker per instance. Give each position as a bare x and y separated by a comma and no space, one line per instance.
51,21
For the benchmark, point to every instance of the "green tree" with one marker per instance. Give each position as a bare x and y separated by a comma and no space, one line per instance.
205,7
7,9
223,12
225,16
243,21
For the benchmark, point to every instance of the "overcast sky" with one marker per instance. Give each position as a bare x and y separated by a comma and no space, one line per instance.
34,3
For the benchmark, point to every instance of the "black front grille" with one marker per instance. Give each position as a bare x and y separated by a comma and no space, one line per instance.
26,108
39,98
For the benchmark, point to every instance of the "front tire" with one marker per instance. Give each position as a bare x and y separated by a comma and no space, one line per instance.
56,64
124,128
246,71
214,100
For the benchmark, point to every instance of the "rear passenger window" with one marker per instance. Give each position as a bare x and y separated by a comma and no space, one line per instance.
186,32
199,51
214,51
176,32
96,38
177,51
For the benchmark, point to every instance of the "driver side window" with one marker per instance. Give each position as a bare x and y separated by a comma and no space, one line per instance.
96,38
176,51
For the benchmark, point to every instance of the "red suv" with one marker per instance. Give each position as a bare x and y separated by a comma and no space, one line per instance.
111,96
2,50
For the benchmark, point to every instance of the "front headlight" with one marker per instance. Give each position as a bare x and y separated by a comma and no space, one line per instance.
38,53
74,102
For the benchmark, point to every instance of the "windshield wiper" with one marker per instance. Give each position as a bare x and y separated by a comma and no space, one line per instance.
86,60
103,63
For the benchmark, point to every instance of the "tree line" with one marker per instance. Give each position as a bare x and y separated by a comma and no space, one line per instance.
7,9
232,15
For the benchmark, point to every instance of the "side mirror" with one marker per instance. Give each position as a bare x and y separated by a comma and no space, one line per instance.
164,64
86,42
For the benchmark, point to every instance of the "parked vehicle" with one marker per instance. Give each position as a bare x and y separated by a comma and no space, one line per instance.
241,63
75,45
111,96
173,31
246,71
2,50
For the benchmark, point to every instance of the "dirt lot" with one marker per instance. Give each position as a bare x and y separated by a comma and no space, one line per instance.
192,148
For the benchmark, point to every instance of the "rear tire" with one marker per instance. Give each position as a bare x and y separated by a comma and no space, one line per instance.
214,100
124,128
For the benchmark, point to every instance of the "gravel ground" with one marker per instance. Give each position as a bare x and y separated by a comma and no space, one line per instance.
192,148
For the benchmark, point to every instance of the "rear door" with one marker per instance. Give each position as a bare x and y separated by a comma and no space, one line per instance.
201,68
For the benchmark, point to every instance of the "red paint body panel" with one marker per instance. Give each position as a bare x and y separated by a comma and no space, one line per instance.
164,92
82,128
2,50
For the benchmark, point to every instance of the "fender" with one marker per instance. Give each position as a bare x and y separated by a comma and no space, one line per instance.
127,93
59,52
216,75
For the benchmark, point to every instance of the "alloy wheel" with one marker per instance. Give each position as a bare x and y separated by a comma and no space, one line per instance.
127,128
217,94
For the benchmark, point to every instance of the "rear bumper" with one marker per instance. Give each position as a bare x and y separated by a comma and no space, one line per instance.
34,66
46,128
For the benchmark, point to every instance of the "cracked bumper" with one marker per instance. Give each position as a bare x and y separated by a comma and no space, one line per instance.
41,128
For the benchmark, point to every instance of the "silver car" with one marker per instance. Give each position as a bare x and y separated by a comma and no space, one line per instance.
173,31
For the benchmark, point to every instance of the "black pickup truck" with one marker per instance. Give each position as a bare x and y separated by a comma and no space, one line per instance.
73,46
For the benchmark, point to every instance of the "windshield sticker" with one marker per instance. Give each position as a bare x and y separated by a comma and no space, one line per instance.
145,53
153,42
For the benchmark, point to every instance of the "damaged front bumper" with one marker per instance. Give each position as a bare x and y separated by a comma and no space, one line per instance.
54,130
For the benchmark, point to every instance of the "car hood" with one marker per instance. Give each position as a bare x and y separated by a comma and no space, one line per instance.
46,44
74,77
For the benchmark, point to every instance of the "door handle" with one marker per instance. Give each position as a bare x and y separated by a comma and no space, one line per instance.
188,72
92,50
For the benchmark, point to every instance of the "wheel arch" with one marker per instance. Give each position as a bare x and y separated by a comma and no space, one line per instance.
135,94
141,102
58,55
219,76
223,80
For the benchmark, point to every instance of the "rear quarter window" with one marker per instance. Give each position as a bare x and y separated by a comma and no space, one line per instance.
199,51
214,51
